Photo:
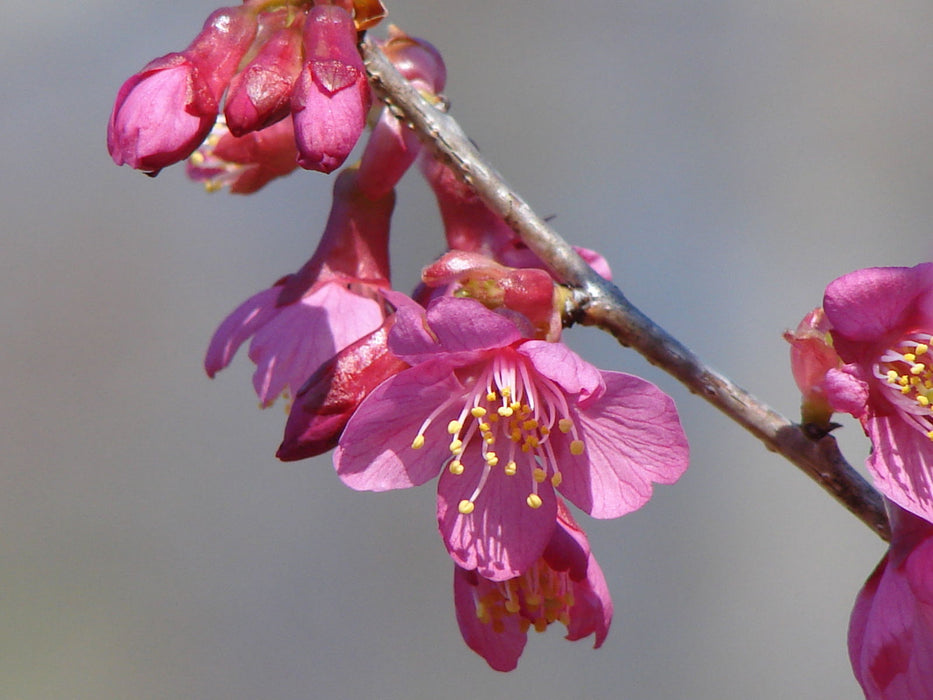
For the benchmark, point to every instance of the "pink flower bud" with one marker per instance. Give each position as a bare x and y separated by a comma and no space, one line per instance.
332,96
811,357
247,163
162,113
261,93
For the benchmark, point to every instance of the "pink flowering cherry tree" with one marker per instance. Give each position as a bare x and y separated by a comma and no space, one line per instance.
467,380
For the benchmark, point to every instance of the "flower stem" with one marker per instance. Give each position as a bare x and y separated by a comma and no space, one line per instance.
600,303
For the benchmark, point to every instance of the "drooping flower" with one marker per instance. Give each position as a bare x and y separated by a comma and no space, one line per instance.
564,585
506,421
305,318
331,96
811,356
882,328
165,111
891,629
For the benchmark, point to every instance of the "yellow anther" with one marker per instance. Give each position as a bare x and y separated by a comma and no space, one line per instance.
922,348
418,442
466,507
545,430
485,427
491,396
534,500
512,606
511,468
477,411
456,467
930,434
923,400
917,369
506,392
532,442
515,406
540,624
576,447
454,427
557,479
539,475
504,411
905,390
903,380
530,424
565,425
492,459
893,376
910,357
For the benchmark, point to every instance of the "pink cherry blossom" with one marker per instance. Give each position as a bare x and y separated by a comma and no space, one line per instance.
882,323
506,421
305,318
891,629
564,585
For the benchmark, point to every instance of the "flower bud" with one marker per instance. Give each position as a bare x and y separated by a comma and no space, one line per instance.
165,111
811,357
331,97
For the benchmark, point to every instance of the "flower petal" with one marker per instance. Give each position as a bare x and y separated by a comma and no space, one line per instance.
501,649
632,437
375,451
562,365
902,463
238,327
503,535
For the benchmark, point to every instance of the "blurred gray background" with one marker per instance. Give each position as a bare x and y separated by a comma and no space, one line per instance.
728,158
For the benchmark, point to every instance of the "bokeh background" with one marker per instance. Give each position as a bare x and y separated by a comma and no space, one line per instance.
728,158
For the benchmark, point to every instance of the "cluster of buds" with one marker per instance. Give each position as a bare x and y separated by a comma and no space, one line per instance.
465,380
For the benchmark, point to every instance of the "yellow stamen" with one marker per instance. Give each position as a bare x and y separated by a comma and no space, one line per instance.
576,447
565,425
478,412
466,507
511,468
539,475
533,501
456,467
418,442
454,427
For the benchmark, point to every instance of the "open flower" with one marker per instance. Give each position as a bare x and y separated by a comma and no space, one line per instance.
882,323
565,585
306,318
891,629
506,421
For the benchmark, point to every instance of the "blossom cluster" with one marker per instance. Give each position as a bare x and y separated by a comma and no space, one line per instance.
466,380
868,352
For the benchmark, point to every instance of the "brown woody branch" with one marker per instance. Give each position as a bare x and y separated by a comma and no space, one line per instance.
600,303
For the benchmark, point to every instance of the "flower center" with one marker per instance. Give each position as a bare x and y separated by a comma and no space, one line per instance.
538,597
907,369
512,418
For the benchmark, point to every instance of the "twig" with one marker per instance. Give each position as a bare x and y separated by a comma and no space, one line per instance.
600,303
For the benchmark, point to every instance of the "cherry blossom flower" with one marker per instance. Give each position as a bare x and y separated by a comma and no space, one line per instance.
506,421
305,318
564,585
882,328
891,629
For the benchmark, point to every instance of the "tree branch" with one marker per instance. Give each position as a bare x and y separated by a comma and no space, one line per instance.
600,303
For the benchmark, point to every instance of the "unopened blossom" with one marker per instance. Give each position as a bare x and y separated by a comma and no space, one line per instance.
891,628
564,585
332,394
505,421
260,94
331,96
305,318
882,328
165,111
245,163
811,356
392,146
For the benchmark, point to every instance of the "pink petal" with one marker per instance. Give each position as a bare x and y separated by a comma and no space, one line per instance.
902,463
375,452
867,304
503,535
500,649
302,336
238,327
562,365
632,437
